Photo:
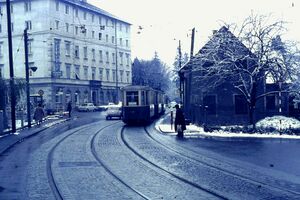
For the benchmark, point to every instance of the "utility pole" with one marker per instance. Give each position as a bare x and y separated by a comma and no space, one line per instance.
27,78
11,69
116,46
180,75
192,43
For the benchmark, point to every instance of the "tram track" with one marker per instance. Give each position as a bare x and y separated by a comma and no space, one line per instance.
51,179
220,196
186,153
109,170
160,161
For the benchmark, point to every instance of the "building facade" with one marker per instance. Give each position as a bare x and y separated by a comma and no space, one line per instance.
82,53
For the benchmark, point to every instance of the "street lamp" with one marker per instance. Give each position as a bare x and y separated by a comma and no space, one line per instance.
27,78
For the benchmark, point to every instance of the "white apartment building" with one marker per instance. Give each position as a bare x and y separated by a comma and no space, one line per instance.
82,53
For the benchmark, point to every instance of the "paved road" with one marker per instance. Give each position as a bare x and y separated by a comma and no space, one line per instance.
91,158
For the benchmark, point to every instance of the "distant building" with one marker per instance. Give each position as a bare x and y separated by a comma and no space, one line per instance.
223,104
82,52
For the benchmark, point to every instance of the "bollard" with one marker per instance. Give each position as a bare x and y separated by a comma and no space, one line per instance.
171,120
1,122
22,118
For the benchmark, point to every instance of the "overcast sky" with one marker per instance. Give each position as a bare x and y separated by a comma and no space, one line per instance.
165,22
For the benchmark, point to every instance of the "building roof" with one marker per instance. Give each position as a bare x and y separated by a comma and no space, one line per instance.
93,8
222,41
85,5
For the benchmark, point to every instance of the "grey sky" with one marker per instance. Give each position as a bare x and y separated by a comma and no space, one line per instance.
165,22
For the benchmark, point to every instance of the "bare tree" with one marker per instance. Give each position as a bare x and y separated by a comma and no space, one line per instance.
247,59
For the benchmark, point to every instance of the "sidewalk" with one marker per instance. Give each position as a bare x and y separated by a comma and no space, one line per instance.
9,140
163,125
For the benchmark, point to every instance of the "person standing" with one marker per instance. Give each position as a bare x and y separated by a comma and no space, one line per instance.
39,114
179,121
69,108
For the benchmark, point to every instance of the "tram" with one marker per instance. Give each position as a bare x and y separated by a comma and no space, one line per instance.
142,104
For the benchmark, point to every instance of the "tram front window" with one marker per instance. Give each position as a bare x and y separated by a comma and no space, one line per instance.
132,98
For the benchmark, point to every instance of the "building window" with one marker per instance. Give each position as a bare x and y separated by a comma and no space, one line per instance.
67,27
127,29
112,39
107,74
113,58
93,34
127,59
84,15
210,104
1,49
76,51
85,56
56,24
240,105
85,72
76,30
28,25
12,27
127,77
271,102
68,48
93,73
106,22
57,5
121,42
114,75
107,57
121,75
67,9
100,36
76,12
27,6
0,28
1,70
121,58
93,18
77,72
29,43
120,28
106,38
11,8
68,71
100,56
127,43
100,74
93,54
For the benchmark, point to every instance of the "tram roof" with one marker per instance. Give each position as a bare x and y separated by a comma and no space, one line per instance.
137,87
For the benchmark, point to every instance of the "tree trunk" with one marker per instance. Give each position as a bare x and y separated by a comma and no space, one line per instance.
251,116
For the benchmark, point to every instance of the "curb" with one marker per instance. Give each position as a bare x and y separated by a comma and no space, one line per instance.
18,140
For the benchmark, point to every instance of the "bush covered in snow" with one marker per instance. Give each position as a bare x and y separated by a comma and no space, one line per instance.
281,124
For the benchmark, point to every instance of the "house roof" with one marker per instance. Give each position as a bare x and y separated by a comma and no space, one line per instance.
222,41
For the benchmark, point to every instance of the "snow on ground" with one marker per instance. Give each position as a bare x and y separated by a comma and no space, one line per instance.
197,131
279,122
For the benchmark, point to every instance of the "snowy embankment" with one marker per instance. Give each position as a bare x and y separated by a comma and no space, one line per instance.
280,127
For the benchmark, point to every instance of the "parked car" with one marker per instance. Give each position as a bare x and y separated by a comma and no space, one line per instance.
114,112
86,107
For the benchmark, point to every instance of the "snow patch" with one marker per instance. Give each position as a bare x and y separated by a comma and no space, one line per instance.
279,122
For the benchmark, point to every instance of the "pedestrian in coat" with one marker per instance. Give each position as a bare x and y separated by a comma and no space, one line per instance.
179,121
69,108
39,114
